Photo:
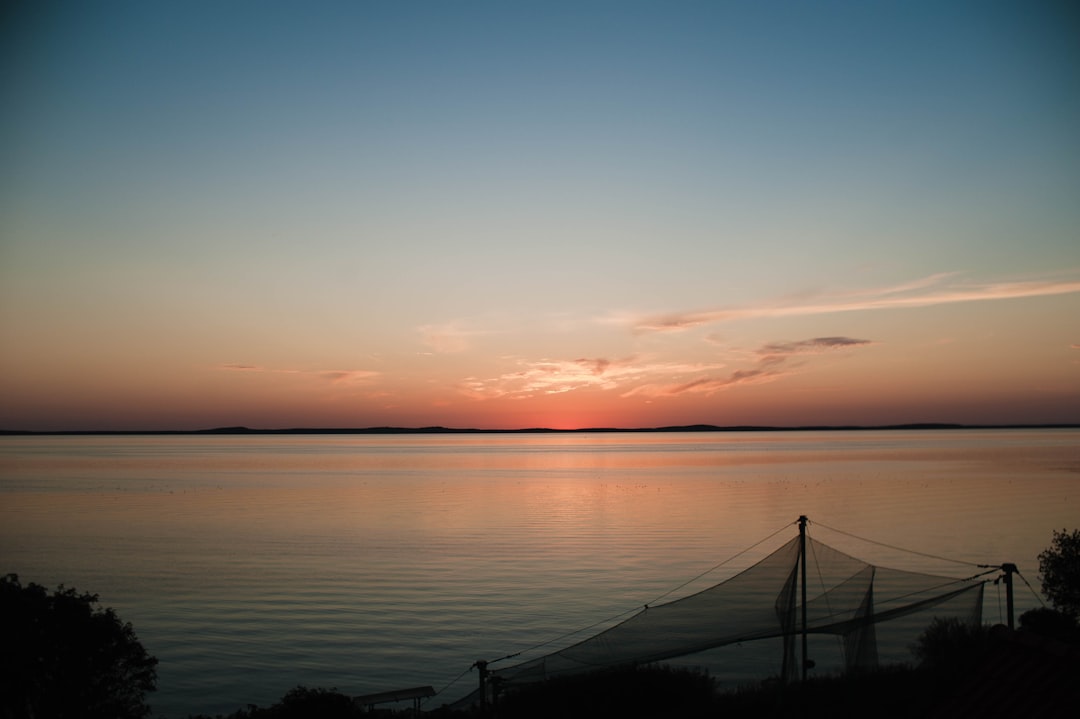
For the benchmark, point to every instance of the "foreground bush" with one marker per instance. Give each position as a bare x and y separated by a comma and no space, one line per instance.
951,646
301,703
65,657
642,692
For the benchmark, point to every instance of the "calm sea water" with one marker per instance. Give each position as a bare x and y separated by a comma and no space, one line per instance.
249,565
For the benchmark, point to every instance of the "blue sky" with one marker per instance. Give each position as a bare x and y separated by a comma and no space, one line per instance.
430,197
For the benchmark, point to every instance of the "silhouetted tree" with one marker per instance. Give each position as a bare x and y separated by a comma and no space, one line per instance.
65,657
1059,571
305,703
302,703
1047,622
645,692
951,646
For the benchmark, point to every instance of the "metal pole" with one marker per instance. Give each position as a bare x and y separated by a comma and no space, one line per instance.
481,667
802,572
1009,570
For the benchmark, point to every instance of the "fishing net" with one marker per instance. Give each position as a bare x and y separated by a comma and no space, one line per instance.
846,597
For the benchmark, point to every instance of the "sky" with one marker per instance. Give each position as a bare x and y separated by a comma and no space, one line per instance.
538,214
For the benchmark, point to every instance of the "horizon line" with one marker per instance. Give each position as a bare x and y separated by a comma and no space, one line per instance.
438,429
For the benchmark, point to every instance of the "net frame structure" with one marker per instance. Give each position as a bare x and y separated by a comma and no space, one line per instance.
774,598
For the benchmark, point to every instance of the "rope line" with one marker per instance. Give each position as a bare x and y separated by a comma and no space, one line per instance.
636,609
916,593
1037,596
824,594
899,549
567,635
715,567
937,587
454,681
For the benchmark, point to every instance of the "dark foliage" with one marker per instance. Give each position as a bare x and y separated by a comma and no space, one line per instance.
1052,624
65,657
1022,674
302,703
892,693
660,692
950,646
1059,571
889,693
323,703
630,693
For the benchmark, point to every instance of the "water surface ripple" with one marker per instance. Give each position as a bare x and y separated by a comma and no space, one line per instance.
249,565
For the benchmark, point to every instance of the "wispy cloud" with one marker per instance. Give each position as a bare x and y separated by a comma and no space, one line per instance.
936,289
774,361
449,337
547,376
708,385
348,376
782,350
644,377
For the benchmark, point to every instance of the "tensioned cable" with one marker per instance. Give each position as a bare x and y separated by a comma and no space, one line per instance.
452,683
924,590
899,549
1031,588
565,636
824,589
821,577
635,609
714,568
938,586
904,596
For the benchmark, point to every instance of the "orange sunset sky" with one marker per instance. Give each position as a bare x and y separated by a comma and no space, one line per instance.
506,215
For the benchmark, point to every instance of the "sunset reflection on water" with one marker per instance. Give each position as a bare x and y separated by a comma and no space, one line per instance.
251,564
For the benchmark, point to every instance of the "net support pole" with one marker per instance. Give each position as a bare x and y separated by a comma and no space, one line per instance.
802,575
482,670
1009,570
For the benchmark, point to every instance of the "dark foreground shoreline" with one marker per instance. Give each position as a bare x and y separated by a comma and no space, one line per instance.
530,430
1013,674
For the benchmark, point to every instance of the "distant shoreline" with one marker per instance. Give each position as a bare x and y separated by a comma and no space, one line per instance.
531,430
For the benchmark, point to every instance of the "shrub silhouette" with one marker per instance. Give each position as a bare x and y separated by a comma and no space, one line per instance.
1059,570
951,646
1050,623
303,703
646,692
65,657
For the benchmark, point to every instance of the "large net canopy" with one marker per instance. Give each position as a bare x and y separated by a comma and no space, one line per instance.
845,596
